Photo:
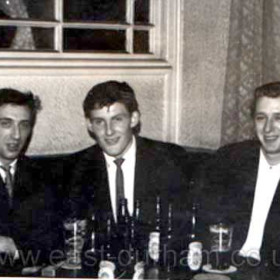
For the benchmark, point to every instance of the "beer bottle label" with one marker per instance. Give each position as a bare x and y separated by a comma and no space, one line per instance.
139,271
195,255
106,270
154,246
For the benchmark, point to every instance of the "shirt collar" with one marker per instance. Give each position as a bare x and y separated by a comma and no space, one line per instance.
264,163
129,154
12,166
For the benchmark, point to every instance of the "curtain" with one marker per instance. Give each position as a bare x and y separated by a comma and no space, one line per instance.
253,59
23,39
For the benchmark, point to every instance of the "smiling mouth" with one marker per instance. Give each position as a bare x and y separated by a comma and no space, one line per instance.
270,138
112,141
13,147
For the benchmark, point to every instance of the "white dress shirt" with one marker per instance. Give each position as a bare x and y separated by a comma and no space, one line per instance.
267,182
128,168
12,170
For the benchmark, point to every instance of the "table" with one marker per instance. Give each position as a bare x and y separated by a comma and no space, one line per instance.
257,273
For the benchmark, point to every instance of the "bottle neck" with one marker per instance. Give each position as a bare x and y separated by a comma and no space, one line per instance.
92,246
108,228
123,213
136,213
169,221
194,221
158,213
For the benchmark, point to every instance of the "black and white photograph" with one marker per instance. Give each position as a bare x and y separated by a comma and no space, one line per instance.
140,139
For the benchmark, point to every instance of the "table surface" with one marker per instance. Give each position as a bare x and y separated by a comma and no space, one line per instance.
256,273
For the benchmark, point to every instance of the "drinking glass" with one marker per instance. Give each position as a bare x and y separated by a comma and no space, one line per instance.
220,245
74,237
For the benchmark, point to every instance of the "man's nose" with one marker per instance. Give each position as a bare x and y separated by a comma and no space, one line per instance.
109,128
268,125
16,132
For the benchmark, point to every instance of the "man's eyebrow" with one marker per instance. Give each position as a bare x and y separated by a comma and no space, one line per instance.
119,115
27,120
10,119
94,118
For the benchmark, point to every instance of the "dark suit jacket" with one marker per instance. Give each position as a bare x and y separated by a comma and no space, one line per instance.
32,220
157,172
227,187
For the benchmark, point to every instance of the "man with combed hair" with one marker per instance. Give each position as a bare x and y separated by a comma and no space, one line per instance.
149,168
29,230
241,184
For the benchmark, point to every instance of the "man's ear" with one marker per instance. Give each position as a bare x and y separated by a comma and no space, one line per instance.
89,124
135,119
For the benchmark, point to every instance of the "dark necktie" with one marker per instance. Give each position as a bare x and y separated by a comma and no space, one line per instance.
8,182
119,182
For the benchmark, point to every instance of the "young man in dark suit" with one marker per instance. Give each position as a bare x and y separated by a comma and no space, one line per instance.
241,185
149,168
29,229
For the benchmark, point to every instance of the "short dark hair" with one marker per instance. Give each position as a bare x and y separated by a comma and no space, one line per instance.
16,97
108,93
271,90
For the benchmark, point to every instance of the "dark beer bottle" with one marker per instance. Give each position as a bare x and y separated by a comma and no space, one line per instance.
135,232
123,214
106,264
154,245
137,211
168,257
195,245
92,235
158,215
124,223
194,222
155,236
91,257
170,222
108,239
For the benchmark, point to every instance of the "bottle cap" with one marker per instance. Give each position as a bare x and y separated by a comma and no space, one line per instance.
154,234
195,245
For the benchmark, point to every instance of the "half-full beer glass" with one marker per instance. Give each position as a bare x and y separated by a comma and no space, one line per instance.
220,245
74,236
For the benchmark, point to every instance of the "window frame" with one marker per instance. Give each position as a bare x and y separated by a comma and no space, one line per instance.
157,37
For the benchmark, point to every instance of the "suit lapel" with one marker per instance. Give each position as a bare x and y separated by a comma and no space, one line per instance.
101,183
276,200
4,199
249,179
273,217
145,187
23,181
271,232
141,171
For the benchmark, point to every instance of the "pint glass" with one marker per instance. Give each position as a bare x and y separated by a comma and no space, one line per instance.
74,236
220,245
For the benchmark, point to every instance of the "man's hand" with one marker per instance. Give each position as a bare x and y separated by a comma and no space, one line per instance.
7,245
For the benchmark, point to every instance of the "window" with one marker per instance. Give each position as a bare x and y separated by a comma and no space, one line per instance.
69,28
